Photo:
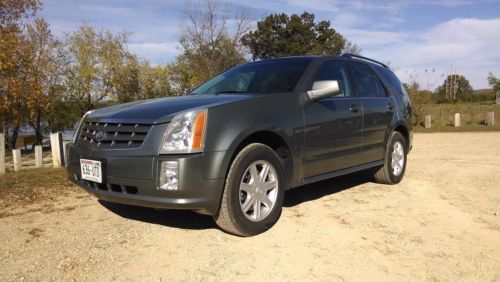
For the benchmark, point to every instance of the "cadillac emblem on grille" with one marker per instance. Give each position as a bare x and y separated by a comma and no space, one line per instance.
99,135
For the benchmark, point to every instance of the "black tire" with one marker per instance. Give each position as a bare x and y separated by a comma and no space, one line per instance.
231,217
386,174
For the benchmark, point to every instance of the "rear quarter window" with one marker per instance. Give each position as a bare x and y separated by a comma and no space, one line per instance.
390,80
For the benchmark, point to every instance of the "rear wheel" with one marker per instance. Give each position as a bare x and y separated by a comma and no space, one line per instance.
395,161
253,193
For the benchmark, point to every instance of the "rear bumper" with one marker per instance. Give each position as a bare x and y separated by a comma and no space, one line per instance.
133,180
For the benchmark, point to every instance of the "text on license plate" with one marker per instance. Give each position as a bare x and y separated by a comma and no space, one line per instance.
91,170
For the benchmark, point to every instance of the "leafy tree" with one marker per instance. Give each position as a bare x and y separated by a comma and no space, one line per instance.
182,75
280,35
494,83
13,62
155,81
208,44
99,68
454,88
125,79
419,98
13,11
43,76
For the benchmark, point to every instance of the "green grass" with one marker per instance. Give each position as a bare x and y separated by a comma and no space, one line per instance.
473,117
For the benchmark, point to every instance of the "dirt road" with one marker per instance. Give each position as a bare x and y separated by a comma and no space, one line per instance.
441,223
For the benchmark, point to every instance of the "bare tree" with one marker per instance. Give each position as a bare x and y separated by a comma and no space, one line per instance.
211,38
352,48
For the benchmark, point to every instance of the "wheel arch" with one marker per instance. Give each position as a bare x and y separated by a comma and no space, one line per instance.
401,128
272,138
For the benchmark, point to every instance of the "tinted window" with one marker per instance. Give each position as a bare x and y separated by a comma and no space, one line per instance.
265,77
366,83
391,80
335,70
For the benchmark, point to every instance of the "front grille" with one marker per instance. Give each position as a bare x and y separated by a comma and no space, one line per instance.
113,135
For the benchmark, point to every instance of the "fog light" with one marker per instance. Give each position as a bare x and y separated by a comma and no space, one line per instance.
169,173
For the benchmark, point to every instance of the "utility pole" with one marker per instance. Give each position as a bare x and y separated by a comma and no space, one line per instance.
452,83
446,84
455,84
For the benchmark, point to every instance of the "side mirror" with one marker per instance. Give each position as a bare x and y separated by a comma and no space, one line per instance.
324,89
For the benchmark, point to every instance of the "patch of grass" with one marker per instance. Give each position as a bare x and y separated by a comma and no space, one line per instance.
34,185
472,116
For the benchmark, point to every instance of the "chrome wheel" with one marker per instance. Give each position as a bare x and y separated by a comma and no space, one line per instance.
258,190
397,158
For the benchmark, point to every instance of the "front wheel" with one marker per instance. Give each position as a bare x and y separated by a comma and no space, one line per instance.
395,161
253,193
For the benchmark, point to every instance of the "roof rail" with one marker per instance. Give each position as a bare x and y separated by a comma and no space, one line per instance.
349,55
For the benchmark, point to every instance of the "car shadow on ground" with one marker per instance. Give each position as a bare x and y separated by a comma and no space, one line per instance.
184,219
323,188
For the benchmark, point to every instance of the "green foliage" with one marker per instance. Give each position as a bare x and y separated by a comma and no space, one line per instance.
419,98
454,88
280,35
155,81
472,115
99,67
494,82
485,96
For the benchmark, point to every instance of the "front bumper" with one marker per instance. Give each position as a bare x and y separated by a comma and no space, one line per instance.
133,179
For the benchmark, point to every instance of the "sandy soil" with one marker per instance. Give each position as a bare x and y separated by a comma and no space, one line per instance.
441,223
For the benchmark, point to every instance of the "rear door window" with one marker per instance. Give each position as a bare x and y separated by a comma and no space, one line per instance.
367,84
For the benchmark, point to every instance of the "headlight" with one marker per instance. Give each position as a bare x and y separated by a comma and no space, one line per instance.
185,134
79,125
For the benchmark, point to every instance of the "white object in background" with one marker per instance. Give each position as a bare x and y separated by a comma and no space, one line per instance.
38,156
457,119
16,155
55,145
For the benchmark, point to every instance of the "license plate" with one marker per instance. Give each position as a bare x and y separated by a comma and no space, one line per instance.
91,170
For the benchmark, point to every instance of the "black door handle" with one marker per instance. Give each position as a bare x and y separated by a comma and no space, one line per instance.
390,107
354,109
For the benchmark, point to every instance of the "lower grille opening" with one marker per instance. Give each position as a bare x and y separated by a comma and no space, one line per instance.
131,189
100,186
116,188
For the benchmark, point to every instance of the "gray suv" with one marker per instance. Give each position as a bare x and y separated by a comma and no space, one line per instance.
231,147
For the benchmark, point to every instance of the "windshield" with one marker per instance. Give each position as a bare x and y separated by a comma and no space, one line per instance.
266,77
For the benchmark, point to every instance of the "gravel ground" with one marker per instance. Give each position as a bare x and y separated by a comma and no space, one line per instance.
441,223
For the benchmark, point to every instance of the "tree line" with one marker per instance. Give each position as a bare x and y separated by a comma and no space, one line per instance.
455,89
48,82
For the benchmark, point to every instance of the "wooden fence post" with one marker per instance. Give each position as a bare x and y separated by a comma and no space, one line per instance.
457,119
16,156
490,120
38,156
428,120
56,147
2,153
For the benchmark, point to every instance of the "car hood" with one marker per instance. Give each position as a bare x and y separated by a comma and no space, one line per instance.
161,110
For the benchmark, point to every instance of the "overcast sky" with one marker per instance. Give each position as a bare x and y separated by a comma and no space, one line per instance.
419,38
